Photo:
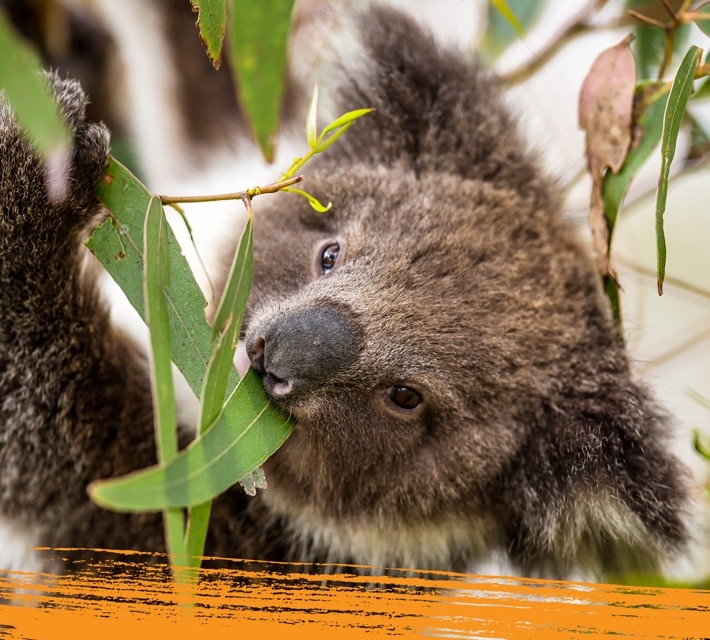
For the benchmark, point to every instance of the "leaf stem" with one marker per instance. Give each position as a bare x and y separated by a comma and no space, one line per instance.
238,195
576,27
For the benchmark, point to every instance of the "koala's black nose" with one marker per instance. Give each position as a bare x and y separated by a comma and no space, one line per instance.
298,350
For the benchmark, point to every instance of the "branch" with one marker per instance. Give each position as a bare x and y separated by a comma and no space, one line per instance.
579,25
239,195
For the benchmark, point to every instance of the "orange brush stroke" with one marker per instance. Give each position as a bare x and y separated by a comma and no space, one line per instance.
131,596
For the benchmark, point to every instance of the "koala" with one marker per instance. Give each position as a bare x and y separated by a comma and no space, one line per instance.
461,395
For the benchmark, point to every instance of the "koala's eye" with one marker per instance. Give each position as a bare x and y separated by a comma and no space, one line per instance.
329,257
404,397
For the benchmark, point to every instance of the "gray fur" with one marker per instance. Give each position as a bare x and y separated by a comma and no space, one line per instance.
457,277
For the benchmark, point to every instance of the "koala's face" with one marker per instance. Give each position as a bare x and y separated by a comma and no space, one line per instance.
407,331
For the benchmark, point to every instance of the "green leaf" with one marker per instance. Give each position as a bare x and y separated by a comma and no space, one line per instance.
258,37
504,9
648,125
313,201
342,123
227,324
212,25
240,441
28,94
118,244
701,447
672,119
157,278
248,430
702,19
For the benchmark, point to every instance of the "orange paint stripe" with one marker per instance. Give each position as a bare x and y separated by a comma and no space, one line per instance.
125,596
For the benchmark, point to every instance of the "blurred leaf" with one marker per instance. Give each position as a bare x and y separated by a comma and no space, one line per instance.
699,139
501,32
210,465
212,25
648,47
27,92
703,19
681,89
311,134
118,243
605,115
258,38
701,447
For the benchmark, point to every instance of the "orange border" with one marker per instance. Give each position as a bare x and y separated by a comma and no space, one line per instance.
126,596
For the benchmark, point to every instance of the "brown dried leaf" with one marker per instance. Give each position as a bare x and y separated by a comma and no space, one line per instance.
605,115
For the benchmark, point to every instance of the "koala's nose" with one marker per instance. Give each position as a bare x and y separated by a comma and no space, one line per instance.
298,350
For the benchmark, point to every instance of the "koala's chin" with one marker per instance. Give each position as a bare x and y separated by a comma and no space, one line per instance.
462,398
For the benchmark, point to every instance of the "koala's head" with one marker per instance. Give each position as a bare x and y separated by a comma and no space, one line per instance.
441,340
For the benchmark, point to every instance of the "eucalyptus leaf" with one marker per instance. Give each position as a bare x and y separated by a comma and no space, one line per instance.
258,38
118,244
157,279
26,91
703,19
680,92
312,200
239,442
648,129
504,9
212,25
342,123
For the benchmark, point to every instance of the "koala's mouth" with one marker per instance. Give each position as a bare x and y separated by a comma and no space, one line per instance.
274,386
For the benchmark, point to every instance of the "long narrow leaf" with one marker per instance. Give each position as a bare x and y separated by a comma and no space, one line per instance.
258,37
118,244
675,110
650,125
212,25
157,279
505,10
227,324
26,91
227,452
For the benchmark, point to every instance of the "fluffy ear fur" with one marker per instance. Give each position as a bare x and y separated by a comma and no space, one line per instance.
436,111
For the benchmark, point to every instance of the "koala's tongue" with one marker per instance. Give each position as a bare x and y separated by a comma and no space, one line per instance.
241,359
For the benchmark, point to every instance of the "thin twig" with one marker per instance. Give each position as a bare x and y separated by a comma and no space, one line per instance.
578,26
670,10
648,20
254,191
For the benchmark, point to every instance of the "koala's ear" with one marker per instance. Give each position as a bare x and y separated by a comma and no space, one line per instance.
596,484
437,110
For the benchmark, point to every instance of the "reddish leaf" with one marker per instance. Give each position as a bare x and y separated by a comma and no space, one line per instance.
605,115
